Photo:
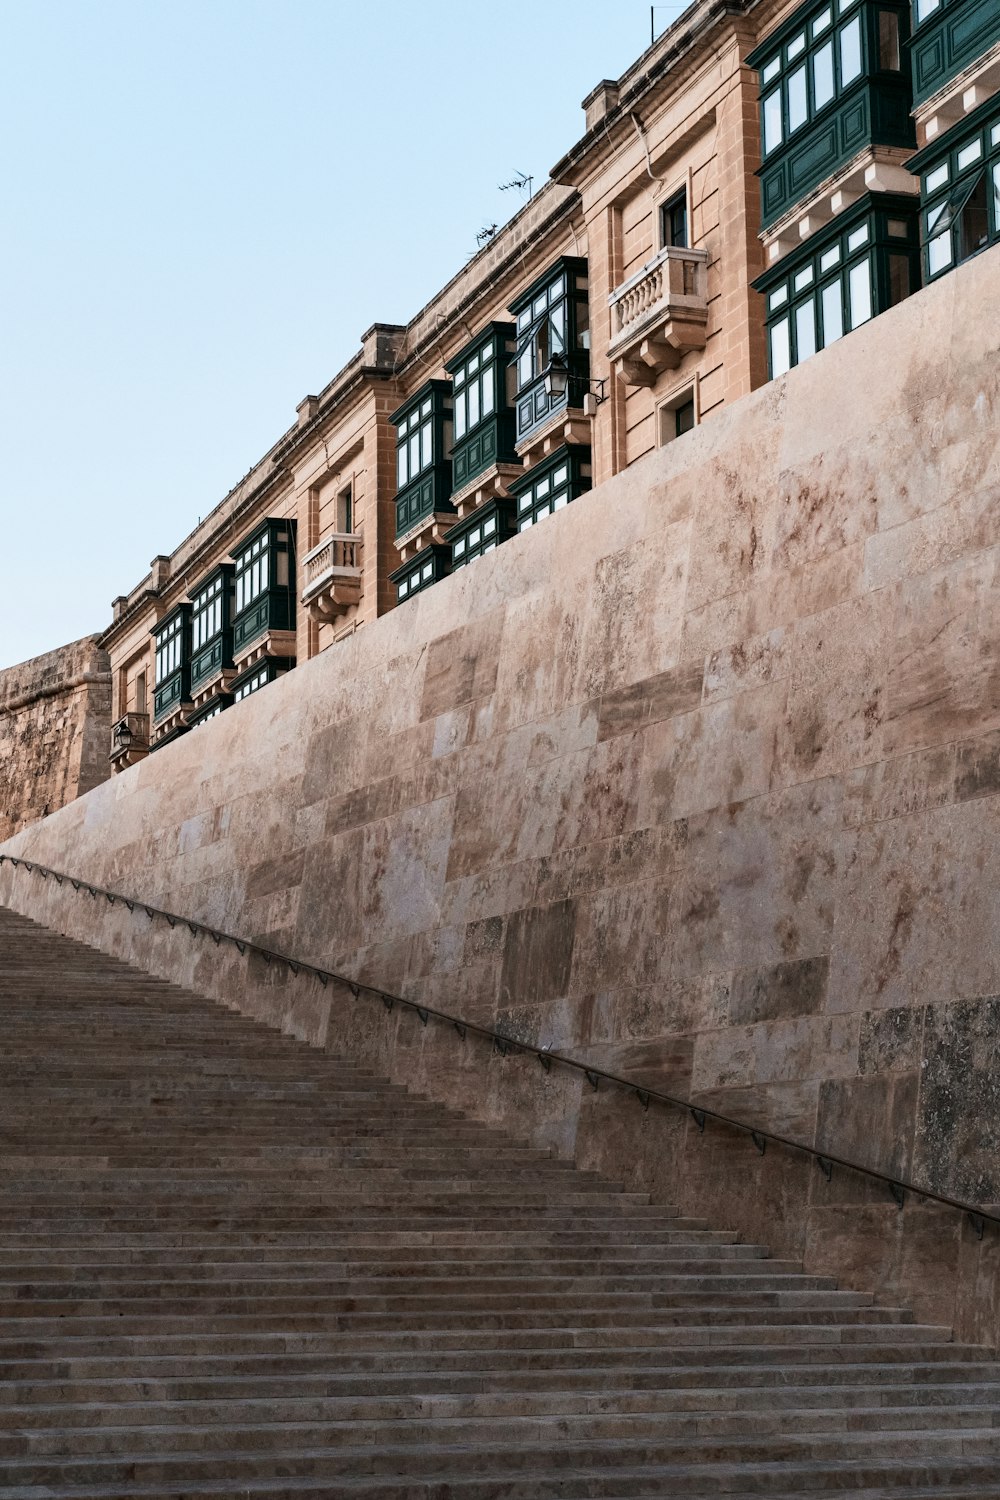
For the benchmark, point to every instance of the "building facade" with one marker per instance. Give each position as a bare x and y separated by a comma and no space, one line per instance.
767,177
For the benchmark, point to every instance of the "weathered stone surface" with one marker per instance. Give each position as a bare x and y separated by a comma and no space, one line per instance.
55,731
697,780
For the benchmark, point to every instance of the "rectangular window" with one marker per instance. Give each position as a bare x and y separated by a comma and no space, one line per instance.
684,418
823,87
252,573
850,51
773,128
899,278
833,314
939,253
860,281
673,222
345,511
798,103
888,41
926,8
805,331
140,693
973,226
781,354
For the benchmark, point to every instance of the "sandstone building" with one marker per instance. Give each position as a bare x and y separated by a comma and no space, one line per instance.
648,284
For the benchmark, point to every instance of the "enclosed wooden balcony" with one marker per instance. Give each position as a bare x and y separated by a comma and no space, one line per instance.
659,314
332,576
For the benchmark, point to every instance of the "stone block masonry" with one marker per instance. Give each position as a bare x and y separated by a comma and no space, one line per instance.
55,731
697,780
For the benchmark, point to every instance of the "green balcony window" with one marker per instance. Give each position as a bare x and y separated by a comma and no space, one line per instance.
172,655
259,675
960,190
949,37
864,263
482,532
483,387
553,324
551,485
423,455
831,83
421,572
264,582
211,710
212,610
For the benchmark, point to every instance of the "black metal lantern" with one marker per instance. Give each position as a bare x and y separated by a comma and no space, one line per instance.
123,735
556,376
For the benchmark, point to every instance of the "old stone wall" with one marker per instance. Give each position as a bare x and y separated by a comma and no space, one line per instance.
55,731
699,779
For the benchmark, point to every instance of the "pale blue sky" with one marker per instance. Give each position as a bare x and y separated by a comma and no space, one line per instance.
205,206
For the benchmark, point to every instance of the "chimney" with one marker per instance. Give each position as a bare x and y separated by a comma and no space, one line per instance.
601,101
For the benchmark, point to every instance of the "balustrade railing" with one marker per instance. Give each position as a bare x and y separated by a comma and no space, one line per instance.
676,277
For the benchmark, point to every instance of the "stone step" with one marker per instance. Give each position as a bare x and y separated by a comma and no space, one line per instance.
911,1453
234,1266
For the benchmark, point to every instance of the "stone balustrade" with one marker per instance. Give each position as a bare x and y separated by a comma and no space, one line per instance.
659,314
332,575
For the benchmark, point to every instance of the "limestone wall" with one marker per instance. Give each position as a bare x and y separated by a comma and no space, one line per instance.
55,731
699,779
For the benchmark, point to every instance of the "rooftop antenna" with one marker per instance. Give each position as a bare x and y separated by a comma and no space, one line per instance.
521,181
678,5
486,234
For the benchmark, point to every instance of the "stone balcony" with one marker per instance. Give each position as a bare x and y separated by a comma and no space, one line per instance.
332,576
659,314
129,740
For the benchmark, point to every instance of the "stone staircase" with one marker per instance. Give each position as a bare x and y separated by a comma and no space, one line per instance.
233,1266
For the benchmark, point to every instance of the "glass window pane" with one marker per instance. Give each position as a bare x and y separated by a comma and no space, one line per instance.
770,70
996,199
414,454
773,130
822,21
830,258
899,278
781,358
857,239
400,481
796,46
557,323
969,154
778,298
973,225
850,51
460,415
888,41
474,403
823,89
487,390
489,526
805,331
798,104
426,455
861,293
833,314
936,179
804,278
926,8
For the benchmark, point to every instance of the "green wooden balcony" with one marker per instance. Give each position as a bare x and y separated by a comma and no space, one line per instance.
949,40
